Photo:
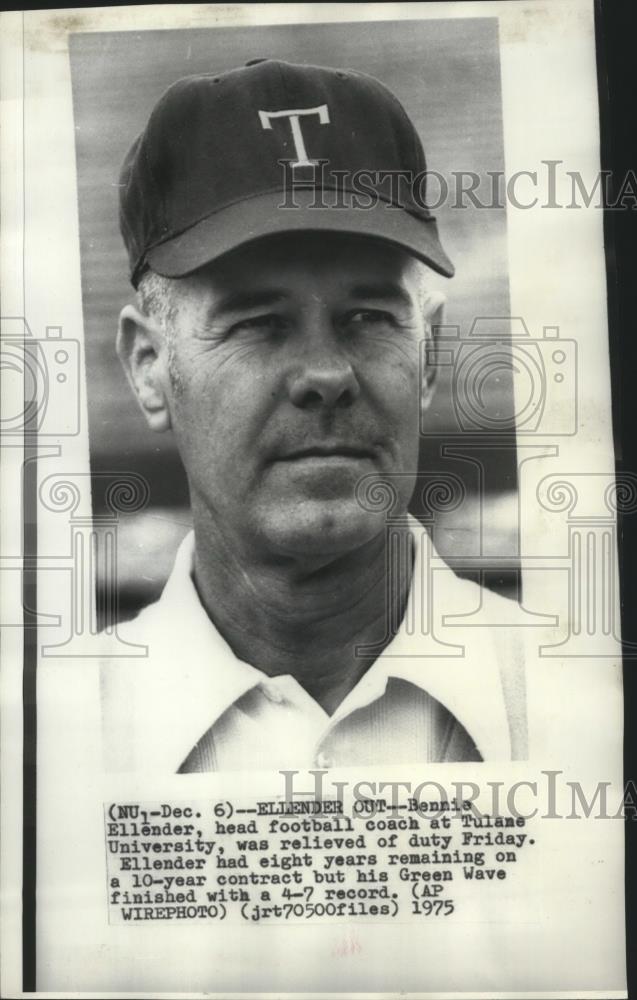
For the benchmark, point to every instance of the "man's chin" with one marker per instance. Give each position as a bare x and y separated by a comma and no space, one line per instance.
319,528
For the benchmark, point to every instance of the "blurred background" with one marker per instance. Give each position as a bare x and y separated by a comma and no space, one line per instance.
446,74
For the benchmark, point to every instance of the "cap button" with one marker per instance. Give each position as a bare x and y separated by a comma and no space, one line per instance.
254,62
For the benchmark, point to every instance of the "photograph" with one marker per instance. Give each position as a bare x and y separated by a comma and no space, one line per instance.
294,482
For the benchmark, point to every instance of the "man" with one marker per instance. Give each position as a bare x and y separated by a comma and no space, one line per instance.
280,243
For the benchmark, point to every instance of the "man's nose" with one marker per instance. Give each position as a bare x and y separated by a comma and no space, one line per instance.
323,375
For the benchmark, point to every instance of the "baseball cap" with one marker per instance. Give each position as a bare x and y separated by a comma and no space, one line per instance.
273,147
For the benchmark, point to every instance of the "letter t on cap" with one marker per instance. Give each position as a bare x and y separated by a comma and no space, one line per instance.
294,114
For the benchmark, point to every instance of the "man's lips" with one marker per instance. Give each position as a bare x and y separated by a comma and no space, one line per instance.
326,451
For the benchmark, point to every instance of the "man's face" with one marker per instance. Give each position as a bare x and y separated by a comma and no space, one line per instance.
294,372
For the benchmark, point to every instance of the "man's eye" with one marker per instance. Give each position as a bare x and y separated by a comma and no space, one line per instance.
371,318
266,323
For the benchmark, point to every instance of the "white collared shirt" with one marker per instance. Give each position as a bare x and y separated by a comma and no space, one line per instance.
438,691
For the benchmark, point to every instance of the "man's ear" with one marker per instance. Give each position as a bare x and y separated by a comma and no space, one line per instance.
433,313
139,347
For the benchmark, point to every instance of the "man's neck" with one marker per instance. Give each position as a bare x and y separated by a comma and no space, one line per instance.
288,617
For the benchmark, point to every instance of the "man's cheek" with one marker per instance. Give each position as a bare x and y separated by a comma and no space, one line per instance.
398,367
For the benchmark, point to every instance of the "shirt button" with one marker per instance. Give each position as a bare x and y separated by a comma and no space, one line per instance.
323,760
272,692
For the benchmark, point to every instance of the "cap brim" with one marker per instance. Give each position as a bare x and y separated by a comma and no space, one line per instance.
264,215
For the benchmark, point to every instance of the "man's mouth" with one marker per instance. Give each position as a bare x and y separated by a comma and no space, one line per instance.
325,451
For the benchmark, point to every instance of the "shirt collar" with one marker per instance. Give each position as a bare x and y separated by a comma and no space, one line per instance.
457,665
184,642
463,674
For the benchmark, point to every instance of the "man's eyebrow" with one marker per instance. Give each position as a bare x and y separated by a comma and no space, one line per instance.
381,290
240,300
386,291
